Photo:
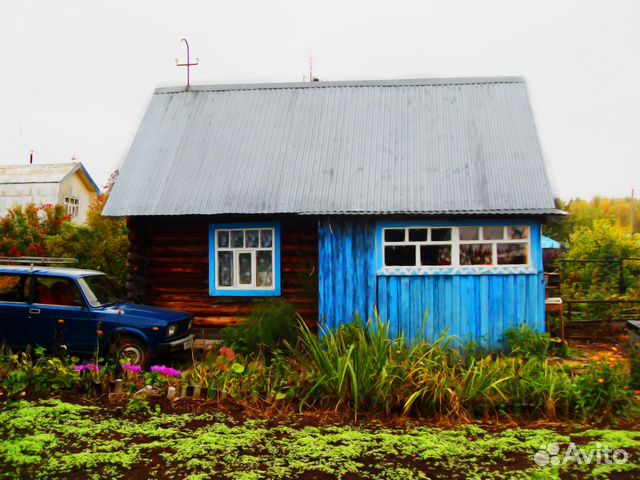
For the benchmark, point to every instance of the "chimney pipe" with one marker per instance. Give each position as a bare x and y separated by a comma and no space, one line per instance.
31,158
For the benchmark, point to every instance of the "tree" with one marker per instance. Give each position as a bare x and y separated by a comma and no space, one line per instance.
101,244
25,231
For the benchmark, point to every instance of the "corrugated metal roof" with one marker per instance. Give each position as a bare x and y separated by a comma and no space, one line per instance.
464,146
44,173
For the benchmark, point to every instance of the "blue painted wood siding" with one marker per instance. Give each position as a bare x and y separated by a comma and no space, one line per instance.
477,307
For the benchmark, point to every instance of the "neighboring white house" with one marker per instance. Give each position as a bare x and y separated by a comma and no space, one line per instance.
68,184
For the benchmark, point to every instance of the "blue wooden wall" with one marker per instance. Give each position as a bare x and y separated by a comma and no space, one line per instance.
469,306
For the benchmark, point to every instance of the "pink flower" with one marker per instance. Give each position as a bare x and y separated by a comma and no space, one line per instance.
129,368
89,367
165,371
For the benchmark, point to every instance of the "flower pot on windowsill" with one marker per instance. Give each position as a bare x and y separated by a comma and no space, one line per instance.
211,393
189,392
183,391
197,391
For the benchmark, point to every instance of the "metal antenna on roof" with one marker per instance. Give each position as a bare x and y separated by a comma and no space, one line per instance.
188,64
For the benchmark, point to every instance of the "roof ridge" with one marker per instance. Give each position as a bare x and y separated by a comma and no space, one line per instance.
448,81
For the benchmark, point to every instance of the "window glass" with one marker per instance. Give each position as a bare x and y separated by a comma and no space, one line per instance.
435,255
251,238
237,238
512,254
418,234
400,255
266,238
517,233
13,288
476,254
225,269
394,235
492,233
469,233
244,268
100,290
264,268
57,291
440,234
223,238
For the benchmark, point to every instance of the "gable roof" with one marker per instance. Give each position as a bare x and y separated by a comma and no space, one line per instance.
429,146
44,173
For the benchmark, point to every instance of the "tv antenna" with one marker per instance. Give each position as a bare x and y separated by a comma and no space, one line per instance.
188,64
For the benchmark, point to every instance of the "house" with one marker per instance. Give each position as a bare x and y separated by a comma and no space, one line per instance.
68,184
423,199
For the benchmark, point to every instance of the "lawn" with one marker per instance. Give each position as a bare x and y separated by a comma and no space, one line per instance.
52,439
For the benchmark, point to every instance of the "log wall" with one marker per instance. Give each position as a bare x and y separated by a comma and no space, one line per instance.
168,266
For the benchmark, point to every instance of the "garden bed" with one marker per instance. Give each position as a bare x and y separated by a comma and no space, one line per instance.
58,439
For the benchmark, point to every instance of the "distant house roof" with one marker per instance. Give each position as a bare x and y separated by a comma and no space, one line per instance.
550,243
428,146
46,173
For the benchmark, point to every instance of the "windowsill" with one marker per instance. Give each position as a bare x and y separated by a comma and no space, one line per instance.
245,293
466,270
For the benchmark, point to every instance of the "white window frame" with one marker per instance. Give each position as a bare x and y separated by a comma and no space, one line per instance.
239,288
455,243
72,205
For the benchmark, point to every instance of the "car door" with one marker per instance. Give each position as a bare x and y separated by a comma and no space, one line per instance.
14,290
59,315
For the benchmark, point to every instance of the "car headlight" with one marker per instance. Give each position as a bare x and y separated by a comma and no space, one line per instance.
171,330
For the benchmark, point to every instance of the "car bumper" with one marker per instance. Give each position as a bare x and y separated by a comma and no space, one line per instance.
178,345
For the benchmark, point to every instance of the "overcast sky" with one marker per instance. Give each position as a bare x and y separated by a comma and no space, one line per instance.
76,76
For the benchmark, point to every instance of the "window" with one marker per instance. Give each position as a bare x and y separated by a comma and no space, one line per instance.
14,288
464,246
60,291
245,259
72,206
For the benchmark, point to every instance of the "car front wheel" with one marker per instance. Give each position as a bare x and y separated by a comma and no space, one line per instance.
131,350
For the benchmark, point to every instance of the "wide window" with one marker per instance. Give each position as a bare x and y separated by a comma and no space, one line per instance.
245,259
463,246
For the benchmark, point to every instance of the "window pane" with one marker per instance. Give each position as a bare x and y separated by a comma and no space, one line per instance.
469,233
12,288
492,233
225,269
418,234
517,233
266,238
264,267
57,291
476,254
440,234
223,238
244,268
251,239
435,255
400,256
237,238
394,235
512,254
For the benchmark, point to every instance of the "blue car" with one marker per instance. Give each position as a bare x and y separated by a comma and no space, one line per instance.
82,310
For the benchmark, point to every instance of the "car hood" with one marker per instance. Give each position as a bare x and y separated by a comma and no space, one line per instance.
148,312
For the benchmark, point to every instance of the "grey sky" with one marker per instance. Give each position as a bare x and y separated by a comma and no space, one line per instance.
76,76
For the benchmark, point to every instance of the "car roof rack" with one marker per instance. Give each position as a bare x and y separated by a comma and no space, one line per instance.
33,261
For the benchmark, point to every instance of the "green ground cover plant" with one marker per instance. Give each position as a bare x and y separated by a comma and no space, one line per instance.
52,439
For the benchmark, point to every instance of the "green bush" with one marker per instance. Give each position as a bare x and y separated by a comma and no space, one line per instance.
527,343
269,328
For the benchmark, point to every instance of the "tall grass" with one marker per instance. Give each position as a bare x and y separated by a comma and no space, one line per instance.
361,367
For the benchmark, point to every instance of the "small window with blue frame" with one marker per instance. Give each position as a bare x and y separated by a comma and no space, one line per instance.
244,259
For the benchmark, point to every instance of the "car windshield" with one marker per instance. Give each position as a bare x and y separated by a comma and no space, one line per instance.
101,291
